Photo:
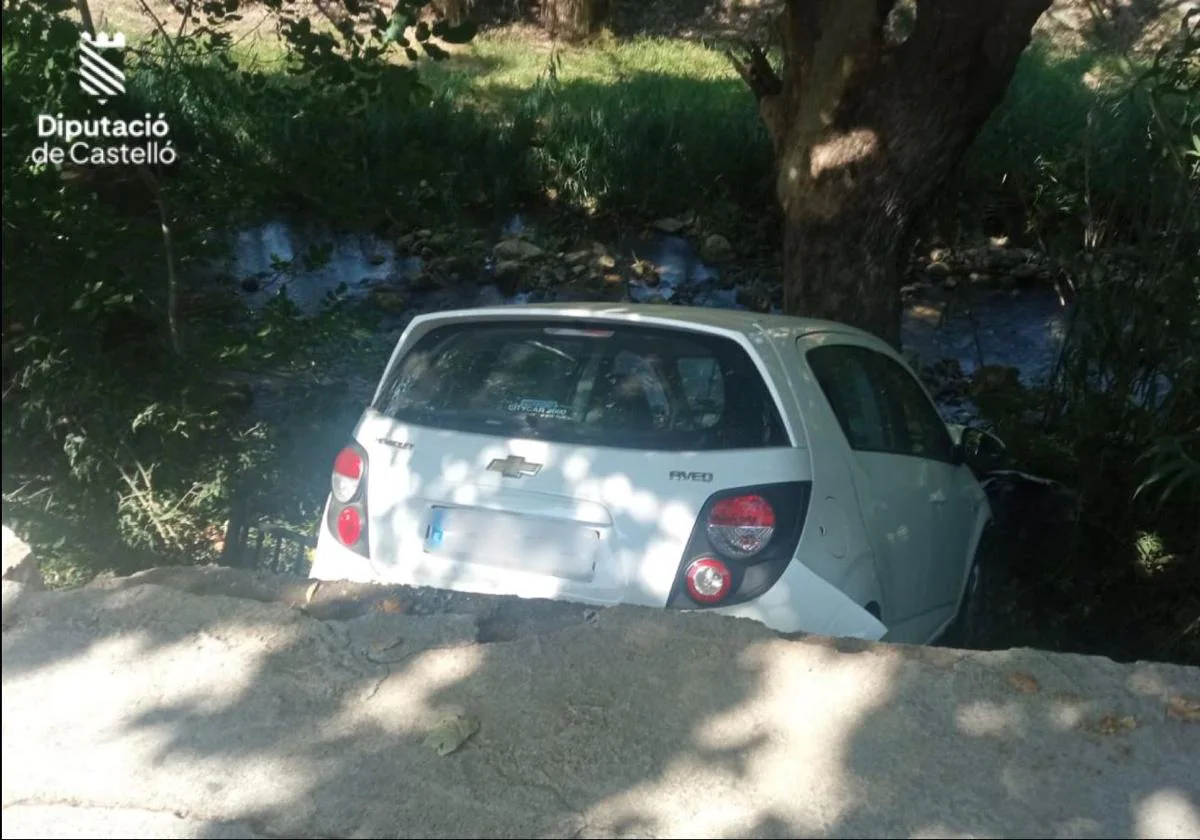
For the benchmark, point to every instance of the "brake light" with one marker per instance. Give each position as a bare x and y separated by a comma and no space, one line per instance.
741,526
347,473
708,580
349,526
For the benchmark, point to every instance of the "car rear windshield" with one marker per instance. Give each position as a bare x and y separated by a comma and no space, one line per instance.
588,383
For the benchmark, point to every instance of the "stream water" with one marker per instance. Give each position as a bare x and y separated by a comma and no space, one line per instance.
1023,329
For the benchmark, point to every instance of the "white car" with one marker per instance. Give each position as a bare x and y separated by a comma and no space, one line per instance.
787,470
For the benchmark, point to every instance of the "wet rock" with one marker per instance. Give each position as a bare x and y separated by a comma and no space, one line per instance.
938,270
606,261
389,300
508,275
424,233
950,283
1025,272
424,281
439,241
755,299
577,258
669,225
1002,259
509,269
516,249
251,285
716,249
458,264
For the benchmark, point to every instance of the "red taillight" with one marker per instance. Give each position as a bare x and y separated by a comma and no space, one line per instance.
347,472
708,580
349,526
742,526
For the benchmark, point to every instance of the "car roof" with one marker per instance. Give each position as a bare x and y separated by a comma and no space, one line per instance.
728,320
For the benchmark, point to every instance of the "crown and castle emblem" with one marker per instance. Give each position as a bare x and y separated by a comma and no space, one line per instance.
99,77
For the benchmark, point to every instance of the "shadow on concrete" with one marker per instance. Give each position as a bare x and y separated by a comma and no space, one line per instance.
619,722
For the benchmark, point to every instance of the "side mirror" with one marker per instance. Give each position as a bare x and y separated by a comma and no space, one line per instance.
982,451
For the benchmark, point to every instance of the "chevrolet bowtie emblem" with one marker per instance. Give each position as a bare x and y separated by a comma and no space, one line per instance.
514,466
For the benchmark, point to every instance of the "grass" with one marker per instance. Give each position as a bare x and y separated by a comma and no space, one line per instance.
633,127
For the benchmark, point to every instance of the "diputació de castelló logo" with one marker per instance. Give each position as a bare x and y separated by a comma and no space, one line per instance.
101,141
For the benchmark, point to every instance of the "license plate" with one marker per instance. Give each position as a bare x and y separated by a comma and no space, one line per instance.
539,545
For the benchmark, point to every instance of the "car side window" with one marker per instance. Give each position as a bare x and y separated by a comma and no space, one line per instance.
878,404
918,428
847,385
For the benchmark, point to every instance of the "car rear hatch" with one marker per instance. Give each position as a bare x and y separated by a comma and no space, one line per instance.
561,458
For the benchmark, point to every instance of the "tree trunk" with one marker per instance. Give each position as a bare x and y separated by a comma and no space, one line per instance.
867,129
571,19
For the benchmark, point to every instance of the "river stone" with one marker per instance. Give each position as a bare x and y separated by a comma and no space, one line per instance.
669,225
516,249
716,249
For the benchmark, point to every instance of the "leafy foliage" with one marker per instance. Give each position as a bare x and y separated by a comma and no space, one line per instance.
115,445
1120,420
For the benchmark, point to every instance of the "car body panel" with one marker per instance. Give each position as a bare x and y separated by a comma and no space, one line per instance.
848,577
923,517
641,528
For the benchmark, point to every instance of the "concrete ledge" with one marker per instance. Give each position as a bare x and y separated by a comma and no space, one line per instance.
134,697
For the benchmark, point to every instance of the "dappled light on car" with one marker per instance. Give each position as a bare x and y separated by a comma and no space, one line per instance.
576,467
1167,813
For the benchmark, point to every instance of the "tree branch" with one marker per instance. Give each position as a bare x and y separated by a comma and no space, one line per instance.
756,71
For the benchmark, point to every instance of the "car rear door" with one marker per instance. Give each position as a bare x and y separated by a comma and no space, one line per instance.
561,458
911,493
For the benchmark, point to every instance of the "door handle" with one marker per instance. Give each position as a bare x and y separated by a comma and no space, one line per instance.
937,497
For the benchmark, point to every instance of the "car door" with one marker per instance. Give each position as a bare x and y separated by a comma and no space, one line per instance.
901,457
920,433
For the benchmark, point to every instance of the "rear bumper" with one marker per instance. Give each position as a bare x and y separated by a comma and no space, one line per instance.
799,602
333,561
802,602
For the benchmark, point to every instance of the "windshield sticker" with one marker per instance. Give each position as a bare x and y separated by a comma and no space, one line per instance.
539,408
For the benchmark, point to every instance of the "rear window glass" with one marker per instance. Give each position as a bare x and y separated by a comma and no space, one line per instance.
587,383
